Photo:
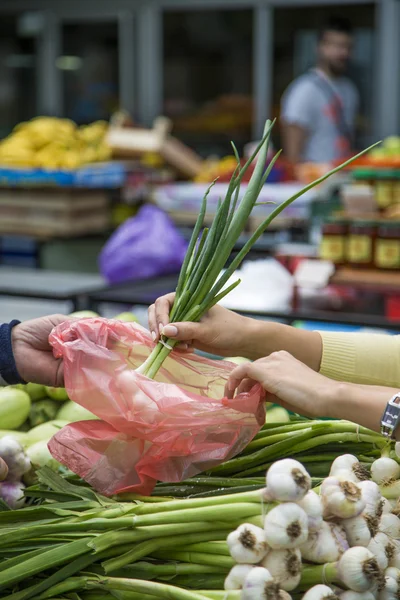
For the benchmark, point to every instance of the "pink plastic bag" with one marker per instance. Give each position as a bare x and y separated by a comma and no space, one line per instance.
166,430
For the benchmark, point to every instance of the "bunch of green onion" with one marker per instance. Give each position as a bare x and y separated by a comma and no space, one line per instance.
315,443
76,544
201,285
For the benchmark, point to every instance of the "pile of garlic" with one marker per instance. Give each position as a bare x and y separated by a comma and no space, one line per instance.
346,525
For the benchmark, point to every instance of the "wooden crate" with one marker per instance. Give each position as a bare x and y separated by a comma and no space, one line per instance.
53,213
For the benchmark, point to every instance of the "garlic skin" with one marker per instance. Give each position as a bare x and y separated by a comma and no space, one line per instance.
384,470
260,584
247,544
390,524
312,506
350,595
286,526
287,481
358,569
381,548
236,577
320,592
285,567
326,545
360,530
371,494
341,499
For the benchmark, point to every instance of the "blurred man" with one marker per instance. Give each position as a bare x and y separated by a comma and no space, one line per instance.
319,108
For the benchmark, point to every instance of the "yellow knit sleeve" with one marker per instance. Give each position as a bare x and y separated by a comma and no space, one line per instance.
366,358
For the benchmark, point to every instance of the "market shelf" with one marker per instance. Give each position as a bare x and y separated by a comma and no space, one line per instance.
49,285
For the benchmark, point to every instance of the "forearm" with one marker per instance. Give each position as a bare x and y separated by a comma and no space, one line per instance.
266,337
362,404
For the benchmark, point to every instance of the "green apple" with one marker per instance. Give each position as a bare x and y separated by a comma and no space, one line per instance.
277,414
59,394
84,314
128,317
238,360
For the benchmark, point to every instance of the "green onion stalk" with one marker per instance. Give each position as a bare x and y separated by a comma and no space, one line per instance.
200,284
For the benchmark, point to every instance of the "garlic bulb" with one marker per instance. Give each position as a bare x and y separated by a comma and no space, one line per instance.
393,572
358,569
326,545
285,567
371,494
312,506
359,530
287,481
236,577
341,498
395,560
382,548
260,585
384,470
386,506
286,526
390,524
347,463
320,592
391,586
350,595
247,544
397,448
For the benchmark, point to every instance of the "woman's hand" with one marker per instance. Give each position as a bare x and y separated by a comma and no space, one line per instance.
220,331
288,382
33,354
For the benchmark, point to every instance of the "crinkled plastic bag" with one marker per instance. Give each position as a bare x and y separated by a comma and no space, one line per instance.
147,245
166,430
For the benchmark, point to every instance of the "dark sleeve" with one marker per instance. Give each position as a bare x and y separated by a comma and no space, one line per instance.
8,368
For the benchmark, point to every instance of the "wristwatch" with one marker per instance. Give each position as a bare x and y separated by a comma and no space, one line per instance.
391,417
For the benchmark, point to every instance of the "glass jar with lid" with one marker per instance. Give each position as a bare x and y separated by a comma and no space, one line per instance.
387,245
361,243
333,243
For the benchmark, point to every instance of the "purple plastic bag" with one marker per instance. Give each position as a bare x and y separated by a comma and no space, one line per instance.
147,245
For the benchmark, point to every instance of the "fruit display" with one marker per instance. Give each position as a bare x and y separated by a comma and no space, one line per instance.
51,143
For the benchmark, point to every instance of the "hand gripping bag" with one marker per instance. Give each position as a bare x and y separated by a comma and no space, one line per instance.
167,429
